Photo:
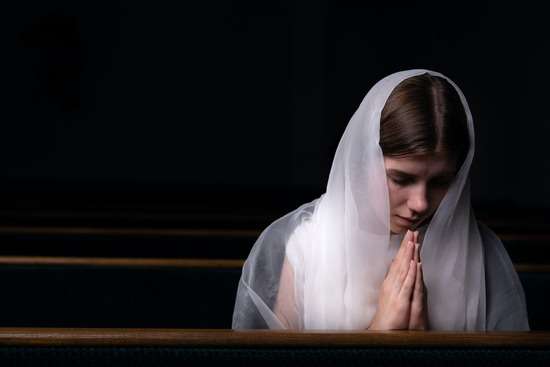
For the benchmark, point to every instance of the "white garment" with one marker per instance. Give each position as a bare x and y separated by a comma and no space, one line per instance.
338,248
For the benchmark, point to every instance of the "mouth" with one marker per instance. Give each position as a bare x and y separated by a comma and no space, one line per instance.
408,222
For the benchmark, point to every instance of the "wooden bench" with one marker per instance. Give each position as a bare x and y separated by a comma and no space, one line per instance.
179,347
129,292
523,247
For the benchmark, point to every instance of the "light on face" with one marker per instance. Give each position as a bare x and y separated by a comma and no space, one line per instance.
416,186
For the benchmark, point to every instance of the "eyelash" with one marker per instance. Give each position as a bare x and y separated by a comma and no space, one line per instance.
401,182
406,181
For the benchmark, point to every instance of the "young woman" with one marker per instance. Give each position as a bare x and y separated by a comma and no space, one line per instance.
393,243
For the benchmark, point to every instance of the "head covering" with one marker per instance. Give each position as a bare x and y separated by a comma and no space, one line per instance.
339,246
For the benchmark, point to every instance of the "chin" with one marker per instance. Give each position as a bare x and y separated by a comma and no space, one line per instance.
397,229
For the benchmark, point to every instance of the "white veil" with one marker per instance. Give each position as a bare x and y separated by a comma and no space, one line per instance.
338,248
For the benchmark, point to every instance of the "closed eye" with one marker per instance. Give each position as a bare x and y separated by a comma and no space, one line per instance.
401,181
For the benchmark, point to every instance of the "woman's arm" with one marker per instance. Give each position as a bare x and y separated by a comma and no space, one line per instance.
286,308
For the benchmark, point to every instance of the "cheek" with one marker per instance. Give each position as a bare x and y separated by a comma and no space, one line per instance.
397,195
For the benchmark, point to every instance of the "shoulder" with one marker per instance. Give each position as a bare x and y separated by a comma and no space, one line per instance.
299,241
496,258
273,240
281,229
506,307
291,221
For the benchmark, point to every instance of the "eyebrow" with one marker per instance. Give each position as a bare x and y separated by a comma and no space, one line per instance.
393,171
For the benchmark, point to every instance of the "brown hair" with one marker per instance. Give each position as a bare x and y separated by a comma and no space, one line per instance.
423,115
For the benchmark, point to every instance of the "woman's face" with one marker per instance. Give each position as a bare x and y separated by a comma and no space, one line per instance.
416,185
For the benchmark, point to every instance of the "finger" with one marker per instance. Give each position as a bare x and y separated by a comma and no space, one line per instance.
403,264
419,284
397,262
407,256
400,264
416,236
408,237
416,252
419,237
408,284
421,276
417,304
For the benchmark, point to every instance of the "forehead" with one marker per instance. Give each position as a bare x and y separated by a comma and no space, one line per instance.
426,165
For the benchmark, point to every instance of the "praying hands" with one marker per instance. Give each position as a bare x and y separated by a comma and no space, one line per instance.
402,301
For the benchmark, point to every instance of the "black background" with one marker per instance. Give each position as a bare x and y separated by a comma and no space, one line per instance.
237,106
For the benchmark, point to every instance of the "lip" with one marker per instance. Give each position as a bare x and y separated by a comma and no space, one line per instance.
405,221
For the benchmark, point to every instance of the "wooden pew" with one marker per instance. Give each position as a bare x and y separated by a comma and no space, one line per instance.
181,293
180,347
84,292
204,242
126,242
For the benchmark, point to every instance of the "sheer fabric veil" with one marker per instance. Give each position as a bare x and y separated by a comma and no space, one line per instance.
337,249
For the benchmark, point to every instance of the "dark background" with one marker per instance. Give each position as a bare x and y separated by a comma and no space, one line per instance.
164,112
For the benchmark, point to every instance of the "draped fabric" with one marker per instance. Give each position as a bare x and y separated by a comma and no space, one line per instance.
322,265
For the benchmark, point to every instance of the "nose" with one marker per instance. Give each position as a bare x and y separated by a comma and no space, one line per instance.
418,200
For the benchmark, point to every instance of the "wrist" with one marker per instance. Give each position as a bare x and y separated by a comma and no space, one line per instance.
375,324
